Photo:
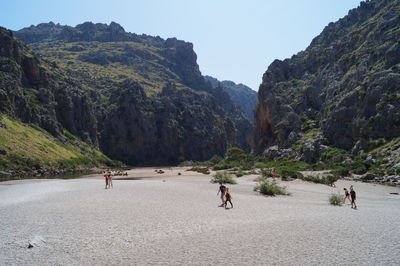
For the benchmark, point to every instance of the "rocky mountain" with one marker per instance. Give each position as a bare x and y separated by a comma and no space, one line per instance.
343,91
242,95
32,89
140,99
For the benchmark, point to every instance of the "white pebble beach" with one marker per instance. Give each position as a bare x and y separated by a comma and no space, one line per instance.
158,219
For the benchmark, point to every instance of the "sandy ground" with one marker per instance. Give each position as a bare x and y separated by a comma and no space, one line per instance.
174,219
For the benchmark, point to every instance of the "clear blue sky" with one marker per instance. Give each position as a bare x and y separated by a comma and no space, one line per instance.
234,40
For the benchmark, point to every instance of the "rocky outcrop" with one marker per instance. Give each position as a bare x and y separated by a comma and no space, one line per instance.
240,94
164,129
346,83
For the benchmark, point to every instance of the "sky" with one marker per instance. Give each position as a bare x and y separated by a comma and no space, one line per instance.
233,39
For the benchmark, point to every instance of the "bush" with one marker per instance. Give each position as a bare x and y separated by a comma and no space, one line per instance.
270,188
203,170
260,165
314,179
335,199
330,180
333,155
236,154
224,164
286,173
214,160
223,177
265,173
239,173
390,171
341,171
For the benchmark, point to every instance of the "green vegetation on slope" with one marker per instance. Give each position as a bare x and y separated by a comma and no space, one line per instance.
27,147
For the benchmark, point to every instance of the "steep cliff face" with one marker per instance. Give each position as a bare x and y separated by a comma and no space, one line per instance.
240,94
141,99
37,92
345,86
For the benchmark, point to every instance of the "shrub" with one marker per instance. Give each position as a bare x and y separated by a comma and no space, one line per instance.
390,171
335,199
235,154
203,170
215,160
330,180
224,164
223,177
314,179
341,171
333,155
260,165
265,173
270,188
286,173
239,173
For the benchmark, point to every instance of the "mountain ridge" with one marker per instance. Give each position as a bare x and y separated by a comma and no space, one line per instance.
342,91
92,76
242,95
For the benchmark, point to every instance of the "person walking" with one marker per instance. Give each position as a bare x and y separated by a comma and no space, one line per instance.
346,195
110,183
228,197
221,190
273,173
353,197
106,178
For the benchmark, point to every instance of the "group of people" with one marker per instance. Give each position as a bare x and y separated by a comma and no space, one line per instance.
108,178
225,195
351,195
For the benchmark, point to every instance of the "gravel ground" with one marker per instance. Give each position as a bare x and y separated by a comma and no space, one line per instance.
174,219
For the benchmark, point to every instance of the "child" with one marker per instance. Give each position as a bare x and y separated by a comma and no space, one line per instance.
347,195
353,198
222,190
228,197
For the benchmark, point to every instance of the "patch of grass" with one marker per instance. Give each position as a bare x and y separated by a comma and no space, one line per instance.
270,188
223,177
336,199
31,146
69,135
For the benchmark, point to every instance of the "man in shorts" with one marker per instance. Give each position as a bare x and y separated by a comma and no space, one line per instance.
353,198
221,190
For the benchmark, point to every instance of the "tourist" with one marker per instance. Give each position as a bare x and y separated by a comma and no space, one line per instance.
110,183
353,197
228,197
106,177
273,173
347,195
222,191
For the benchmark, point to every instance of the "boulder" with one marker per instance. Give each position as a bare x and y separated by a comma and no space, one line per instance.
368,177
37,241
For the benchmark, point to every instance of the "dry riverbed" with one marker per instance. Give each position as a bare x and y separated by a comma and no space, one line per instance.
152,218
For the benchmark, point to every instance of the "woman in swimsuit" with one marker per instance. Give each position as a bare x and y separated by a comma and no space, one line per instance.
347,195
